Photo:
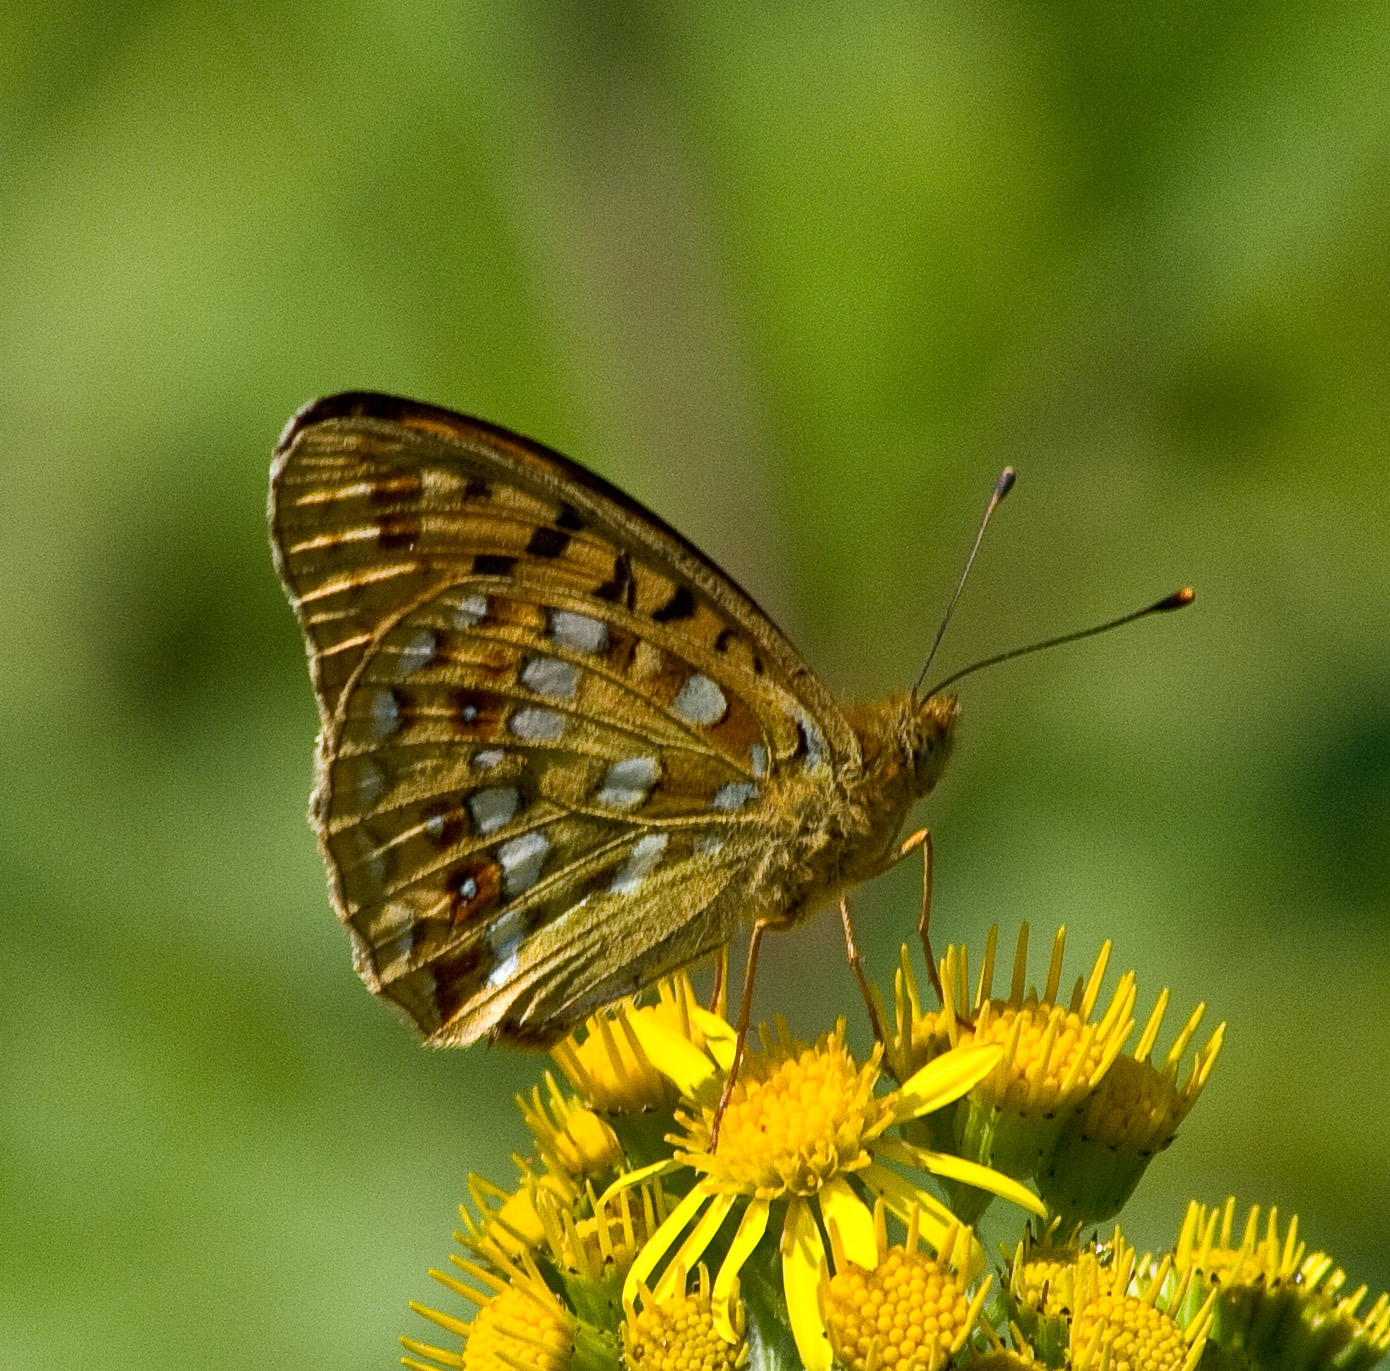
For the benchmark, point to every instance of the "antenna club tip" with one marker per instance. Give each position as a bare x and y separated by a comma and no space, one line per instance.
1005,484
1179,599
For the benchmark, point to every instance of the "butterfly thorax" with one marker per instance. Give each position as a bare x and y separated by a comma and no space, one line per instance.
905,744
848,823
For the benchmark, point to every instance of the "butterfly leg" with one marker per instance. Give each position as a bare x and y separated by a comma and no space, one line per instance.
717,1003
922,839
857,966
745,1013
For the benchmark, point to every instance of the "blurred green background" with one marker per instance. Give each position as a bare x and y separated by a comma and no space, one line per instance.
801,277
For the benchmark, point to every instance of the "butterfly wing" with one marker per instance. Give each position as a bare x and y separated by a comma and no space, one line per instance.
551,728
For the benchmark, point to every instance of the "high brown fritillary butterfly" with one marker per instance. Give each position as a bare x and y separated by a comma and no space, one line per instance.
562,753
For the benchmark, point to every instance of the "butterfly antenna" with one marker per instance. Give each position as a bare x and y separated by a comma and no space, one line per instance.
1179,599
1002,487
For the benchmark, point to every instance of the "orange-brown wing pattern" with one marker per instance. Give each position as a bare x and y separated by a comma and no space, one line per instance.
550,727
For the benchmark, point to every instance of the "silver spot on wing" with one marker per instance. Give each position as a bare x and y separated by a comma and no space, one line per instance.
643,860
550,676
537,725
469,610
734,795
578,632
521,859
383,714
493,807
700,700
417,652
628,783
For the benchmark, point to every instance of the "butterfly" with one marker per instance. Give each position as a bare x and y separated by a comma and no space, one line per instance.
562,753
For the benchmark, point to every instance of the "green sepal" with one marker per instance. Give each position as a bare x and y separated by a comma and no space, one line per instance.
595,1349
1086,1182
643,1136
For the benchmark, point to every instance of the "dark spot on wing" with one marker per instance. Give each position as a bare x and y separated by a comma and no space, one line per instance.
547,542
621,587
493,564
681,605
398,533
390,490
472,887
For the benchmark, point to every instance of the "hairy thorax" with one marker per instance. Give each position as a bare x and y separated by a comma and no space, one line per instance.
844,827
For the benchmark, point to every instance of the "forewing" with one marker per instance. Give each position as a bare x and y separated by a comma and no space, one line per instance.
549,724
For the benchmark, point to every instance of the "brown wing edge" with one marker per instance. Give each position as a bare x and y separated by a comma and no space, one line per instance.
436,420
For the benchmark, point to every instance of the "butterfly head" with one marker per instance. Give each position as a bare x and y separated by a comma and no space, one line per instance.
932,733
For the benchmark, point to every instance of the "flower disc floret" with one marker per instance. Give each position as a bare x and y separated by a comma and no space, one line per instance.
513,1328
910,1313
798,1117
1125,1333
679,1333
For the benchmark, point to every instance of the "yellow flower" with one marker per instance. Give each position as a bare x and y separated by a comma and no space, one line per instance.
611,1064
909,1311
1132,1116
1064,1105
1054,1056
1275,1304
805,1132
520,1325
680,1332
510,1222
1106,1311
572,1140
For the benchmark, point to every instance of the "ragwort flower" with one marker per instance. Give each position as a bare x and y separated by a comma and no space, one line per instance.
1064,1105
1278,1307
910,1311
679,1331
803,1137
1100,1309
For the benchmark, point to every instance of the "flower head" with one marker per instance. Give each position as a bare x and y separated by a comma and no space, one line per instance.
1132,1115
571,1139
910,1311
1104,1310
1275,1304
679,1332
610,1061
520,1324
798,1116
1064,1105
805,1136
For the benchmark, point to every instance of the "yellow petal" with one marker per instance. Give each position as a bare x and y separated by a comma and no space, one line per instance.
901,1197
852,1220
693,1248
751,1228
674,1055
660,1242
944,1079
720,1037
630,1178
803,1261
971,1173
